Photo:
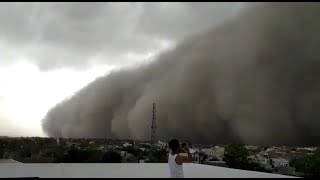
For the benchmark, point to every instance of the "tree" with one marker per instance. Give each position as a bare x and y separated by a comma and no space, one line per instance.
236,156
1,152
25,151
111,157
157,156
82,156
308,165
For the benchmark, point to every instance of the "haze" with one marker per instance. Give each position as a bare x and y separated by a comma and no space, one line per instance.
253,78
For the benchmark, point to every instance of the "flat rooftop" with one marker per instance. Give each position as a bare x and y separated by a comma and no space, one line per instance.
123,170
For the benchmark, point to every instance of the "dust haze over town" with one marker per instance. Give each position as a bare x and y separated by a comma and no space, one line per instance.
254,79
218,72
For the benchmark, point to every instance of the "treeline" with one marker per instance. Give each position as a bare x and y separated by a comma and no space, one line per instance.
236,156
308,165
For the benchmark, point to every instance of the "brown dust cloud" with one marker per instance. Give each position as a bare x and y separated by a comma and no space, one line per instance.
253,79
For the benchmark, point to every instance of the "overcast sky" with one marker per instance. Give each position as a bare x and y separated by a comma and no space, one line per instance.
48,51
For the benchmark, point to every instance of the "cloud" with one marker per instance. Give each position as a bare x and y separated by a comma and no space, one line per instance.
180,20
254,79
55,35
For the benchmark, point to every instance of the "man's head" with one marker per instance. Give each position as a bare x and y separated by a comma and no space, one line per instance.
174,145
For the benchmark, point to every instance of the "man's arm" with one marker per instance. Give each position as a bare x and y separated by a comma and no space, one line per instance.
184,159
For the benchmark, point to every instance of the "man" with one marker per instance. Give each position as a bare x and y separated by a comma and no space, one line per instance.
175,160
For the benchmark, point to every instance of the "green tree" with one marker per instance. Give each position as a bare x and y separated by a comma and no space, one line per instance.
25,151
236,156
132,150
308,165
1,152
157,156
111,157
82,156
58,155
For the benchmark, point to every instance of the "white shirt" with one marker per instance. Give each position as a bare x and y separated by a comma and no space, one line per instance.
176,170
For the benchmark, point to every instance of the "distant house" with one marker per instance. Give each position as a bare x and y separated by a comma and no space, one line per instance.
197,156
162,144
209,152
252,148
127,144
252,158
219,152
279,162
123,154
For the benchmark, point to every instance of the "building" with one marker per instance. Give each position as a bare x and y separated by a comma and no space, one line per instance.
162,144
123,170
252,158
208,152
279,162
127,144
219,152
252,148
197,157
123,154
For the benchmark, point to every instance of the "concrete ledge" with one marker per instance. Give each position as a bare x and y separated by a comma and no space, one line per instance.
123,170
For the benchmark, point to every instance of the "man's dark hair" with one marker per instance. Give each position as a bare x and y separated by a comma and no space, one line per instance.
174,145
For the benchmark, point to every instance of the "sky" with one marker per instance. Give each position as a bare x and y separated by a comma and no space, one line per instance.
49,51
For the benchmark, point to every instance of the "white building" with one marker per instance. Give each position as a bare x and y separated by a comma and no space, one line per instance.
209,152
162,144
254,148
279,162
123,153
127,144
252,158
219,152
123,170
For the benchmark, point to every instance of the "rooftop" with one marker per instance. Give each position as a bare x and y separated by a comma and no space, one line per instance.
123,170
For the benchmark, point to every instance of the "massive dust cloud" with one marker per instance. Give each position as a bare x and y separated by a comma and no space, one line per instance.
255,79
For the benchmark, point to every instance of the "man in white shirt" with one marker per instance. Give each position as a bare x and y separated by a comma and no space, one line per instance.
175,160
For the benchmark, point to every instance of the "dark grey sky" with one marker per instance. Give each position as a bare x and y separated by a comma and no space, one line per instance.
53,35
